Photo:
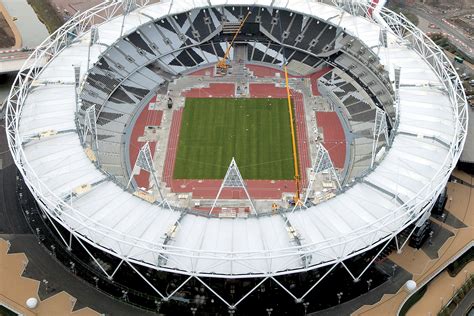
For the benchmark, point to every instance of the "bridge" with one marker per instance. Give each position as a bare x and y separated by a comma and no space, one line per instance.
12,60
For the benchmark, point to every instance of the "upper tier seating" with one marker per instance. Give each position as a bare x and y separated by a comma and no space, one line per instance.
136,65
357,106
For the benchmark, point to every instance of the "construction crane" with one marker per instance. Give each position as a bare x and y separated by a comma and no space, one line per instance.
293,140
223,63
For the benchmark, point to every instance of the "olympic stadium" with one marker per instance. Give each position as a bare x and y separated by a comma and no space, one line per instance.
212,148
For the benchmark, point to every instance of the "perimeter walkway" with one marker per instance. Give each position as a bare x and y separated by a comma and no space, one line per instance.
440,291
37,264
16,289
460,221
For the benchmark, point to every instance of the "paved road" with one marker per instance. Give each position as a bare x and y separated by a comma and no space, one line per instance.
456,33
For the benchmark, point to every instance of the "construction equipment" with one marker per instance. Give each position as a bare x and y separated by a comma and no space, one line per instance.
293,140
223,64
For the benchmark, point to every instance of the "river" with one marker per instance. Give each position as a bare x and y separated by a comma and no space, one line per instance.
33,32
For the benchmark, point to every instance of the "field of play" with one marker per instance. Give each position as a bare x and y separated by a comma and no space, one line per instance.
254,131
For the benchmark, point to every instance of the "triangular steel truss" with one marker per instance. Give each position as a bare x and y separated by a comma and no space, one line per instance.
129,6
77,82
232,305
380,127
90,127
145,162
94,38
322,162
383,38
233,179
94,35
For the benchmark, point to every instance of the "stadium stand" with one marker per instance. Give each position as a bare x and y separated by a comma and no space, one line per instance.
150,47
358,112
161,50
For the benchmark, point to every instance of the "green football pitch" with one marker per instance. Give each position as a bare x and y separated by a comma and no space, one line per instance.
254,131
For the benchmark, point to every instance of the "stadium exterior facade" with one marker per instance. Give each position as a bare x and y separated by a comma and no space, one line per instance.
45,133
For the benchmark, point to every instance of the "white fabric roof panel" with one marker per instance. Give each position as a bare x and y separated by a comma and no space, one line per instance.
132,227
44,111
61,163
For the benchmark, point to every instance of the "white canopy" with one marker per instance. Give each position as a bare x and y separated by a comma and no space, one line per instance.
388,199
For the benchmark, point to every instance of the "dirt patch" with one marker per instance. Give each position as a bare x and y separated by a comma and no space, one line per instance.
53,13
7,39
47,14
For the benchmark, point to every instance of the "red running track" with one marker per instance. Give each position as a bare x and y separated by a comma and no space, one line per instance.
334,138
258,189
268,72
172,147
147,118
314,79
215,90
207,189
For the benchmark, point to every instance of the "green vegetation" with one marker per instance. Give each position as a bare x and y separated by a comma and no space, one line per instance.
412,300
400,8
6,311
47,14
457,297
254,131
455,267
447,45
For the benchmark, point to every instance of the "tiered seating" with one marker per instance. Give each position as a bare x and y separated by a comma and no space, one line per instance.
275,54
359,109
360,61
160,50
363,216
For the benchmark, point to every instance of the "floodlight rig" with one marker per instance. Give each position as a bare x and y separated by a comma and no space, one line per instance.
322,163
145,162
233,179
380,128
90,127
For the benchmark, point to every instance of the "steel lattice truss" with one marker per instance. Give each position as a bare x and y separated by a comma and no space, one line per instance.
233,179
380,128
61,208
322,162
90,127
145,162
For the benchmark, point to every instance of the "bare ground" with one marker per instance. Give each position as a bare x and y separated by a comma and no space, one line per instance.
7,39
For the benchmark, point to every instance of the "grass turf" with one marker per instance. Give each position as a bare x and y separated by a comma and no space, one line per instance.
254,131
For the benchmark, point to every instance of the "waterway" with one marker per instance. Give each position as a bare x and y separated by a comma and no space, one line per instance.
33,32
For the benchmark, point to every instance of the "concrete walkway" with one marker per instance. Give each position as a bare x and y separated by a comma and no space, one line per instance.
460,205
440,291
16,289
41,265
